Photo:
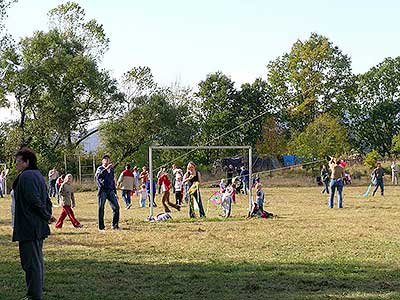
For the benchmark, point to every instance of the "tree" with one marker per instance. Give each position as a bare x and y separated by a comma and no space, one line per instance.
254,106
324,136
153,121
273,138
371,159
57,87
57,84
137,82
396,145
218,109
313,79
69,20
4,37
374,119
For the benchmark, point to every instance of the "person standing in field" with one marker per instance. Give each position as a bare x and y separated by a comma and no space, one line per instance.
325,179
395,172
244,174
126,182
378,173
33,213
67,201
229,174
144,176
143,196
107,191
337,174
194,178
260,196
2,183
178,188
53,175
136,176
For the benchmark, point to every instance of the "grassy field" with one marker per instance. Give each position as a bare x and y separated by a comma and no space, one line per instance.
307,252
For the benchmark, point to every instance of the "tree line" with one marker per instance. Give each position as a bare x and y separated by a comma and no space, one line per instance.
310,103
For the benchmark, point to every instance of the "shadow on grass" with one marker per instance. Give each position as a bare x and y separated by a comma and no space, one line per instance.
87,279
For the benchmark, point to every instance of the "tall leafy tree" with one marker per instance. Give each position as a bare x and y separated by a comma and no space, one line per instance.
374,119
4,37
324,136
218,111
57,84
153,121
69,19
313,78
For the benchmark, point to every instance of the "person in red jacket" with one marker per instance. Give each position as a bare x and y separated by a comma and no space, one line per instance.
165,183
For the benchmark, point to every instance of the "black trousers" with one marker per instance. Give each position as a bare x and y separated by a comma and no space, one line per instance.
31,256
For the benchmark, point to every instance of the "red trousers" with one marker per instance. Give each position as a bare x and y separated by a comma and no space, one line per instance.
67,211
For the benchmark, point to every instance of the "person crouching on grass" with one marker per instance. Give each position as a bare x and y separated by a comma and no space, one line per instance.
68,202
165,186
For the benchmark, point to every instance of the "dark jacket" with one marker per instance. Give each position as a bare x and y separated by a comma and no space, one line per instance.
32,207
105,179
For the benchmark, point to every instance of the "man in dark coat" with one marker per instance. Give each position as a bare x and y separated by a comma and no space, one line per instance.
33,213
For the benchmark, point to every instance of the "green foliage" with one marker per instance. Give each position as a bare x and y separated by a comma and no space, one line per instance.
324,136
69,20
313,79
273,138
4,37
153,121
371,159
375,115
58,86
223,108
396,144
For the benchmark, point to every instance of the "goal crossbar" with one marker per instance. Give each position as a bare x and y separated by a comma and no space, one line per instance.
151,148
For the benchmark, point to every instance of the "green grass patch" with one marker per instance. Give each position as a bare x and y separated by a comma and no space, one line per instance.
308,252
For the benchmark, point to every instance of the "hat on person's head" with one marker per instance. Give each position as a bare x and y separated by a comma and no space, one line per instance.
106,156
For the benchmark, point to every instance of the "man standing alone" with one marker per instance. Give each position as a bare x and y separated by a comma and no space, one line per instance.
378,174
33,213
107,190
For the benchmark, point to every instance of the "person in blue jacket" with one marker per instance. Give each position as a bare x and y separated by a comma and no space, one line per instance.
107,191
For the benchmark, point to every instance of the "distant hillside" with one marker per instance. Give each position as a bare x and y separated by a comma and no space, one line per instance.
91,143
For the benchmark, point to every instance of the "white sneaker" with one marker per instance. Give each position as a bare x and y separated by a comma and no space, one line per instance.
102,231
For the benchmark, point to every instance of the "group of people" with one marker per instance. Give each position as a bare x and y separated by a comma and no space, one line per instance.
32,212
335,177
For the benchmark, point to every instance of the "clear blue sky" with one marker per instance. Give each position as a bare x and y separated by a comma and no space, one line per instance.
184,40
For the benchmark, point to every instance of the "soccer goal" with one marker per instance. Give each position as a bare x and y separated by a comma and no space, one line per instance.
151,148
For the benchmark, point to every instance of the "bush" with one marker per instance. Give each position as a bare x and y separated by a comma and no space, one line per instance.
371,159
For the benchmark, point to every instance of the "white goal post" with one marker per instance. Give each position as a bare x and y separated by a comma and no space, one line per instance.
151,148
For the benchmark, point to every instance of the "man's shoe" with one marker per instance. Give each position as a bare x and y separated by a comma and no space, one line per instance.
102,231
116,228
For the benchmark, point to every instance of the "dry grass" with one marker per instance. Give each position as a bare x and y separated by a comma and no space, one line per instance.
308,252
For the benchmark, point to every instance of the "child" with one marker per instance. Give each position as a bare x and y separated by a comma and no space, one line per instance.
227,199
154,192
68,202
178,189
165,186
222,186
161,217
59,182
259,196
143,196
